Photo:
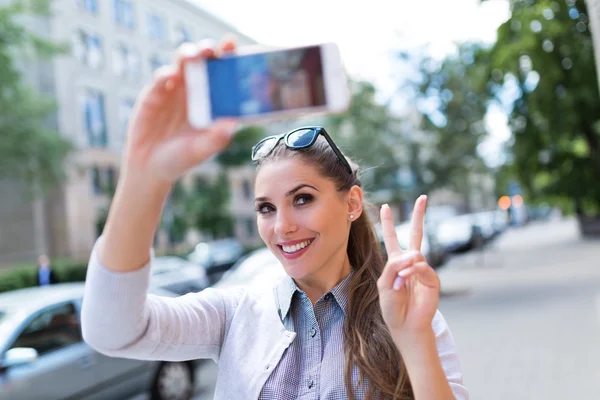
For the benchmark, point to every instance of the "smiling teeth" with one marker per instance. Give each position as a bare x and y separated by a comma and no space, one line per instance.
296,247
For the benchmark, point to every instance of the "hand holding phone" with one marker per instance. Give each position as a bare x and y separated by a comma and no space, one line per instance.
161,144
261,85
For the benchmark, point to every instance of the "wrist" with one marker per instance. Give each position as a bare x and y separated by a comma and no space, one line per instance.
150,187
409,340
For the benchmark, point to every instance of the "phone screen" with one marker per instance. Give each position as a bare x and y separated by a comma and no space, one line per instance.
257,84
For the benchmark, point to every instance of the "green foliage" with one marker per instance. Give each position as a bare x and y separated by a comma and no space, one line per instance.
370,135
545,48
454,98
204,206
239,151
208,207
29,151
22,276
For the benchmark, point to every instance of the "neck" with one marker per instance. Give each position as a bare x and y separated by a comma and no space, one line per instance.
326,278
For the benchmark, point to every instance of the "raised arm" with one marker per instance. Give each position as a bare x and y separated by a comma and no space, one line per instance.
118,317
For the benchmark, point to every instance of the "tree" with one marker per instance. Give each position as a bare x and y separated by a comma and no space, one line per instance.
453,96
29,151
239,151
370,135
545,50
207,206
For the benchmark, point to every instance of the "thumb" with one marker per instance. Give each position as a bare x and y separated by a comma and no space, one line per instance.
188,150
208,142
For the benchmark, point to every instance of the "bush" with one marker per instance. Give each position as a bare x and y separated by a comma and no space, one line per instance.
22,276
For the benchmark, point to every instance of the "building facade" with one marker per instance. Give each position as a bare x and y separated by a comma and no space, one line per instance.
594,14
115,47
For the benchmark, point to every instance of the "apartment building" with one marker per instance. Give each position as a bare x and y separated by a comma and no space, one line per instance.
115,47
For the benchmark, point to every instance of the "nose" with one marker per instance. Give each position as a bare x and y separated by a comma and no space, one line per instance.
285,223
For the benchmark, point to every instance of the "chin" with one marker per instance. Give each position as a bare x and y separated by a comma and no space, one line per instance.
296,269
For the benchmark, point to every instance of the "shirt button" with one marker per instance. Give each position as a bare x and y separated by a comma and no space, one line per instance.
311,383
328,296
313,332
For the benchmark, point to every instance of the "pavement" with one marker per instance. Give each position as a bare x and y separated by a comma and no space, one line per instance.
525,314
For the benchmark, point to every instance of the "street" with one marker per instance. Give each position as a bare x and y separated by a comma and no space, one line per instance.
525,314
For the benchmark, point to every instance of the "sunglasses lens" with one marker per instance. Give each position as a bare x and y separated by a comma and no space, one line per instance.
301,138
264,148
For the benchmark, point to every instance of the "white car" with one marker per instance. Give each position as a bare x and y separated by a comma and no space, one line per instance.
178,275
456,233
260,269
43,355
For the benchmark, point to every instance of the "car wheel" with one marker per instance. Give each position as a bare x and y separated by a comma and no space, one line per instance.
173,381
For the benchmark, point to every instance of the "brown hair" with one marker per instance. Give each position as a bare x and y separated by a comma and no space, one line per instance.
367,340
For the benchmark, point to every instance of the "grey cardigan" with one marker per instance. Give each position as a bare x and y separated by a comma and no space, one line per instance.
239,329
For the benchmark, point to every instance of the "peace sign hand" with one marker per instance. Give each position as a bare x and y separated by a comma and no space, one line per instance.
408,286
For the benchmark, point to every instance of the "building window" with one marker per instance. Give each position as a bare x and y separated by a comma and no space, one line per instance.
125,109
250,226
90,6
246,189
124,13
96,181
157,27
104,180
126,62
87,48
94,117
110,180
182,34
156,62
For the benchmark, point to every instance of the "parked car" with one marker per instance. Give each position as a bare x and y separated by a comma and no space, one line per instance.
457,233
43,355
434,252
218,255
259,269
485,220
178,275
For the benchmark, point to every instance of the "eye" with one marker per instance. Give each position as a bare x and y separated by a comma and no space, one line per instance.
264,208
303,199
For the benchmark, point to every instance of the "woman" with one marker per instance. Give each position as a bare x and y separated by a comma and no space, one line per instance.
342,325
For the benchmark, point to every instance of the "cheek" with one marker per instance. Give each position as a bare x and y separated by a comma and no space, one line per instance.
322,219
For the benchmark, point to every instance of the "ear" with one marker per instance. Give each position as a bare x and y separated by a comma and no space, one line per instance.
355,202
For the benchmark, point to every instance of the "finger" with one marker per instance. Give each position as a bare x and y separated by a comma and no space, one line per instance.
163,75
422,271
185,151
416,224
395,265
390,240
214,140
189,52
228,44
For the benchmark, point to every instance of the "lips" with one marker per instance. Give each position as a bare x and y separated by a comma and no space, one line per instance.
295,249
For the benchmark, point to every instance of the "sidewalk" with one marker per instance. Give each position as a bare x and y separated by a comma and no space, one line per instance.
525,314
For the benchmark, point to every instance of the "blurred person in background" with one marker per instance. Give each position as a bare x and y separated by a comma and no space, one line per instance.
343,324
45,274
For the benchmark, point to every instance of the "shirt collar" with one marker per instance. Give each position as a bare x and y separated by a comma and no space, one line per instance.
286,289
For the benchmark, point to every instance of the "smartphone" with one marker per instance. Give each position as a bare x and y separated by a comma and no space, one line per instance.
260,85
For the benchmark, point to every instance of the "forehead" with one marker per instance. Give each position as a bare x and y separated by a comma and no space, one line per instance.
281,176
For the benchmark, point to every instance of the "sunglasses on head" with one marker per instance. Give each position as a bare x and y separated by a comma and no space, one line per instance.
300,138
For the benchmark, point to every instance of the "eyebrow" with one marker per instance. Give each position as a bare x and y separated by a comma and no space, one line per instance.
290,193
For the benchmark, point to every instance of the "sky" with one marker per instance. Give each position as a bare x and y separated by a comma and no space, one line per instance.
368,32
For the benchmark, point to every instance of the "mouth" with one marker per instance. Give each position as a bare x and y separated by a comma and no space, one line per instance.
295,250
